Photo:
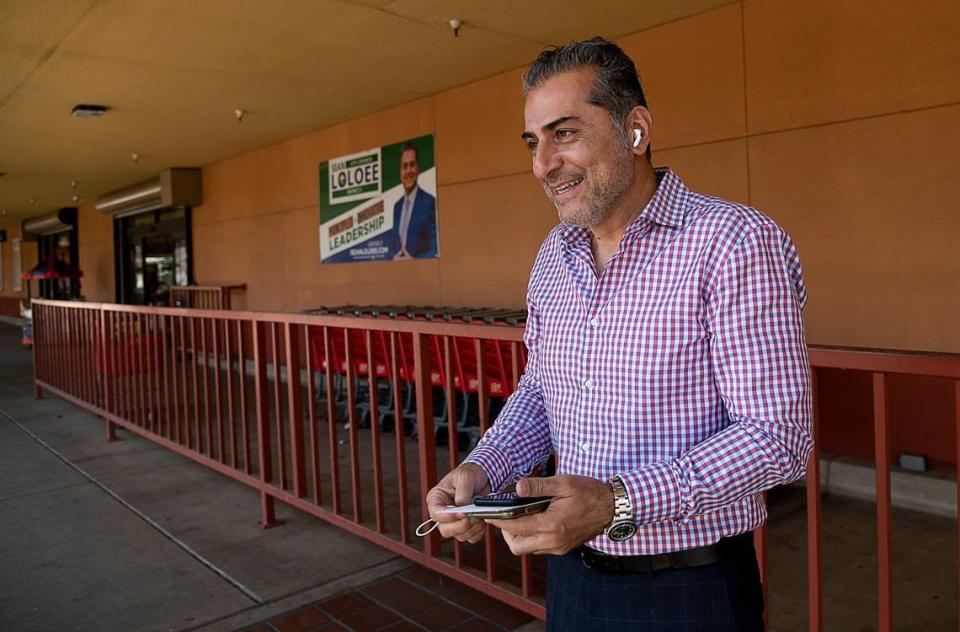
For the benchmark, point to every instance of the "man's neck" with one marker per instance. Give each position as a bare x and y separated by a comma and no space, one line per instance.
608,233
610,230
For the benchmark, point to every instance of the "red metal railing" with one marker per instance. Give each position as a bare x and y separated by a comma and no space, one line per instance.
204,296
239,393
881,365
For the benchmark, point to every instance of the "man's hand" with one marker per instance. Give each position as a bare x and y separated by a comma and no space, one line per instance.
458,488
580,510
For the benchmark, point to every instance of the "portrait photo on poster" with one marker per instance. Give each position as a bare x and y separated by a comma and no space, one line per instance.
380,204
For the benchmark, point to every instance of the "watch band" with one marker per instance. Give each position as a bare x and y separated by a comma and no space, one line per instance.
623,526
621,500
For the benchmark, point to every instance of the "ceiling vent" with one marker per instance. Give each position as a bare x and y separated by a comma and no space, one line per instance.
173,187
88,111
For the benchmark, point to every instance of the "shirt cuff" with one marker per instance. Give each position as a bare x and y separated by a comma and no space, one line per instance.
494,462
655,494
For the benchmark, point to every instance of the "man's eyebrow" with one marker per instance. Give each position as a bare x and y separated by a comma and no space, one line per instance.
560,121
550,126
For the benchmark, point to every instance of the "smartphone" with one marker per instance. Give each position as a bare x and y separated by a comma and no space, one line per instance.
509,512
506,499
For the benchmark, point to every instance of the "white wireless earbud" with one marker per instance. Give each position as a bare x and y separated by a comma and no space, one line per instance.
637,135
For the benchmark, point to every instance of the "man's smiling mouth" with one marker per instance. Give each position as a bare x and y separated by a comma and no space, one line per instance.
566,186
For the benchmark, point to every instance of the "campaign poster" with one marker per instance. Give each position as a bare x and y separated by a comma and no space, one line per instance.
380,204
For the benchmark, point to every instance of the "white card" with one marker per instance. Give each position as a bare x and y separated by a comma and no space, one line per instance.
465,509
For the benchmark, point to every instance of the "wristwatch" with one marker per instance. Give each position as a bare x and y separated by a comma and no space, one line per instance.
623,527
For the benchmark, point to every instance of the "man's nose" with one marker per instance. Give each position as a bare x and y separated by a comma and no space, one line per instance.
545,160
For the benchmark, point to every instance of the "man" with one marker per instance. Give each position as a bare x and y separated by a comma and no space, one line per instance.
414,214
667,370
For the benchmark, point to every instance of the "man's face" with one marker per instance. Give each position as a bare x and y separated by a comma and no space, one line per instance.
582,161
409,170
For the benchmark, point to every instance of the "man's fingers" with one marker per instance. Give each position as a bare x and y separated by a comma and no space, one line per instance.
526,526
546,486
467,481
447,518
474,533
464,530
435,504
457,488
453,528
439,497
521,544
464,495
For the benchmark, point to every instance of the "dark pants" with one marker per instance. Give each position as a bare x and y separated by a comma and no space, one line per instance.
721,597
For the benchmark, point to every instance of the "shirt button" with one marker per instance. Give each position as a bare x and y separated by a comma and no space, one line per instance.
588,383
585,447
594,322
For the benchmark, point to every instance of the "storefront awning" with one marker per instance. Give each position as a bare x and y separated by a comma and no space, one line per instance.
51,223
173,187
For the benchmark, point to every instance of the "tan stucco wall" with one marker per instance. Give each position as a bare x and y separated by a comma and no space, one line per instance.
95,246
839,119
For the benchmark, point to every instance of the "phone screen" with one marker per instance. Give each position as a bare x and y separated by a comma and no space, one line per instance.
506,499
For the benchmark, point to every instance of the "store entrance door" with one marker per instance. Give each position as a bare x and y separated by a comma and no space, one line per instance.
153,256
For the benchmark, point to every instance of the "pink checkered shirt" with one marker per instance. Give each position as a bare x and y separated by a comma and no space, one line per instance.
682,369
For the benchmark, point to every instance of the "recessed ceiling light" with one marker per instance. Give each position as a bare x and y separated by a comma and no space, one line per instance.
88,111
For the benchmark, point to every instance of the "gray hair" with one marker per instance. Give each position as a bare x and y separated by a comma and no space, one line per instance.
616,87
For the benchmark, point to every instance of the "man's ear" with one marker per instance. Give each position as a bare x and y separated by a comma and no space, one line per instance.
639,129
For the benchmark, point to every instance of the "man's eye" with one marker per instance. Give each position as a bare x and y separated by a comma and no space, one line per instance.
565,134
531,145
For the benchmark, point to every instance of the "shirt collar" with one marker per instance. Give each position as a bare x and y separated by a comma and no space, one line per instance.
413,194
667,207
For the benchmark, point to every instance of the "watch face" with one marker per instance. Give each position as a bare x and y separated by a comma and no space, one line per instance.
622,531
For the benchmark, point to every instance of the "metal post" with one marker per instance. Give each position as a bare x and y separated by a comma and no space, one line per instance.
881,438
268,517
375,432
353,427
814,555
295,410
484,414
278,402
37,373
425,443
398,427
312,416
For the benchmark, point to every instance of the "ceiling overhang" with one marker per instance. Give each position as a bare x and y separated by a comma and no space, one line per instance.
173,73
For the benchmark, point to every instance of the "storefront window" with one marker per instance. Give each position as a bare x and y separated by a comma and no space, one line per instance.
180,262
153,255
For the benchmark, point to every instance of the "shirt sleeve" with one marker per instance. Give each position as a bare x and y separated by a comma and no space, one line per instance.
520,437
760,365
